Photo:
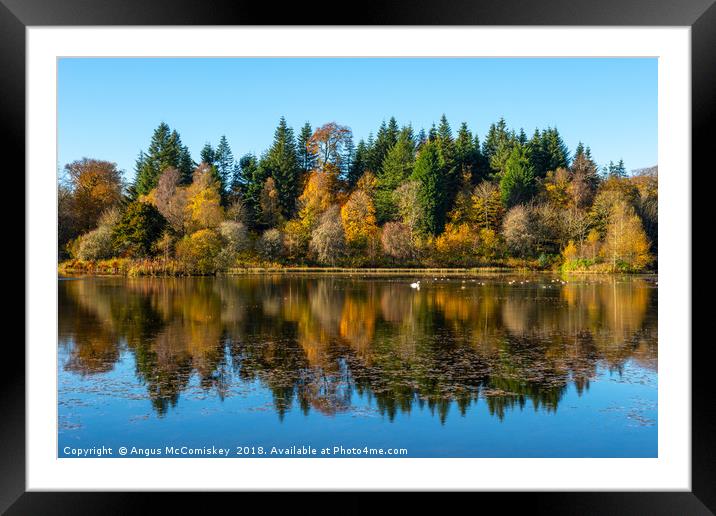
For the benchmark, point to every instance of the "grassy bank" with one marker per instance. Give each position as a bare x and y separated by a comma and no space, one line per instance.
161,267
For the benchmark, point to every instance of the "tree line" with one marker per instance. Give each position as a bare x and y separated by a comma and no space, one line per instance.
398,198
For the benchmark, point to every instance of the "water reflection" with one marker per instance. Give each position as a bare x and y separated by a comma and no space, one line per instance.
316,341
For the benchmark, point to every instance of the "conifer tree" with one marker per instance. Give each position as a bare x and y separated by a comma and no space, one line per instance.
165,150
306,154
555,152
517,182
359,164
207,154
224,163
448,165
253,178
431,189
281,163
397,167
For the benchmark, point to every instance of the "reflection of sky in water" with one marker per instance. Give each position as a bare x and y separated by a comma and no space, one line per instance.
456,369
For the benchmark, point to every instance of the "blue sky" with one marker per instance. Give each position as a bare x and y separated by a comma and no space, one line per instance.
108,108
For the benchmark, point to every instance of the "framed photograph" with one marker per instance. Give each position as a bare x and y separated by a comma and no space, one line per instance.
419,252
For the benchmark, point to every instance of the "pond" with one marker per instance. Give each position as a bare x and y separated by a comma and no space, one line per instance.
499,365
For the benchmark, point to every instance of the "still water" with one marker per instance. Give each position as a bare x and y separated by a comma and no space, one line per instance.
481,366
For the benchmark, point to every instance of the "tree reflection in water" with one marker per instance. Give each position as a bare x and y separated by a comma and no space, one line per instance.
315,341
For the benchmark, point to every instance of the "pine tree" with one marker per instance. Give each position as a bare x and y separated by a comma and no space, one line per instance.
359,164
387,137
165,150
207,154
556,154
306,155
422,138
224,163
347,156
466,153
584,169
448,165
497,146
253,178
397,167
431,190
517,183
281,163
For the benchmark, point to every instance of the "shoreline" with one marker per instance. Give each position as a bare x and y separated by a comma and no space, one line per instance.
100,270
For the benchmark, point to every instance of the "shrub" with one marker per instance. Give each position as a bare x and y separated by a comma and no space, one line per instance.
95,245
199,252
397,241
270,245
234,235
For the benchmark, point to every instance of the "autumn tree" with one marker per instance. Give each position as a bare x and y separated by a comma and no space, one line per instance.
487,208
327,143
517,229
557,186
457,245
204,200
397,241
328,238
317,196
92,186
171,199
270,245
625,243
358,218
409,209
199,251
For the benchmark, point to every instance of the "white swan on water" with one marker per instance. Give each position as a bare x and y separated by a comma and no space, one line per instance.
415,285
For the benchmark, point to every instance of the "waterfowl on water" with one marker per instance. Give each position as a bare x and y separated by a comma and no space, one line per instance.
415,285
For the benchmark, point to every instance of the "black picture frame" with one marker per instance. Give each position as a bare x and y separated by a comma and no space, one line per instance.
700,15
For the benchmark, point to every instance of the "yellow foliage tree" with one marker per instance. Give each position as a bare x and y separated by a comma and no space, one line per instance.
489,243
626,242
358,218
487,207
204,200
570,252
557,187
456,245
317,196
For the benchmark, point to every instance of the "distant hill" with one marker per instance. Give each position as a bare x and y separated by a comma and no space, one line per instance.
648,171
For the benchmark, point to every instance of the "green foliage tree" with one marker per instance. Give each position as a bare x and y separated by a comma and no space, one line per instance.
517,183
359,165
165,150
397,167
431,193
306,153
281,163
138,228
